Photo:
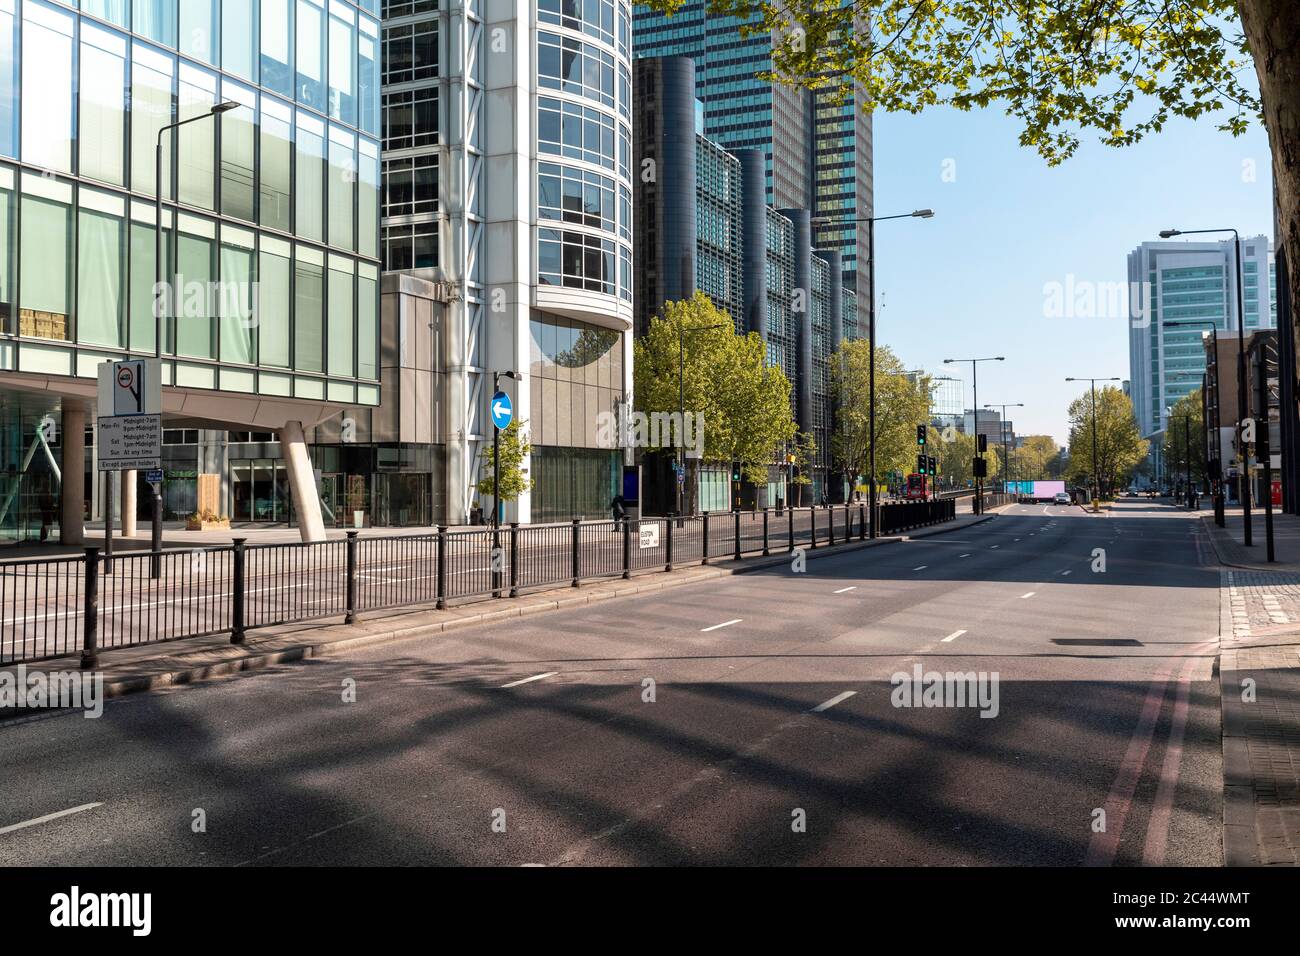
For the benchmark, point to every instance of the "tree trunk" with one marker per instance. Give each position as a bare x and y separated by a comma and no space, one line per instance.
1273,31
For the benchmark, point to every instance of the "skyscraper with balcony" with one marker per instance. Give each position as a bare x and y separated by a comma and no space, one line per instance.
1178,292
271,236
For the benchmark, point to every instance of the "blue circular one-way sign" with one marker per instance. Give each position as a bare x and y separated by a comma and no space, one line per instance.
502,410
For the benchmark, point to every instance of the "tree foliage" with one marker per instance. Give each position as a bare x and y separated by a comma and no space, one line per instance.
743,402
954,452
1120,447
1186,426
901,404
1033,457
1118,68
514,451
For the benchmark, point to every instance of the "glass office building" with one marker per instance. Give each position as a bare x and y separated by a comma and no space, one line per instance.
270,216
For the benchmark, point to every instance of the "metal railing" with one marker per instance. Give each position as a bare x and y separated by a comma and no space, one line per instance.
57,607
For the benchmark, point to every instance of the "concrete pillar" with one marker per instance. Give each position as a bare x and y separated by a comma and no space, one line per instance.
72,489
302,482
128,504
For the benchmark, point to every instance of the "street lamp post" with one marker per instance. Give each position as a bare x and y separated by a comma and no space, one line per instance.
1003,426
1213,475
871,334
975,414
1243,472
160,304
1096,477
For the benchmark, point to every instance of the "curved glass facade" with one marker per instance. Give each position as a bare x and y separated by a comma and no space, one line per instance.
582,118
271,210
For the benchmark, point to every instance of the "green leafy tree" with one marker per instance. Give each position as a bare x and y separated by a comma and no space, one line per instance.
803,449
902,403
743,403
954,452
1120,447
1033,456
514,451
1115,69
1185,422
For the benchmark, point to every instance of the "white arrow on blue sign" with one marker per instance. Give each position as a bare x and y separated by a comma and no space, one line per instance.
502,410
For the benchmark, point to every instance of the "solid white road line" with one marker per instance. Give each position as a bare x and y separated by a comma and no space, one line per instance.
828,704
735,620
48,817
851,587
1029,595
953,636
529,680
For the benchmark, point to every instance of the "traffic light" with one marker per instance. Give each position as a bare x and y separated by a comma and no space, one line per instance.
920,465
934,465
735,471
920,434
982,443
980,468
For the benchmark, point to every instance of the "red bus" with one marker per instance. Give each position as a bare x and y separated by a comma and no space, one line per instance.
916,486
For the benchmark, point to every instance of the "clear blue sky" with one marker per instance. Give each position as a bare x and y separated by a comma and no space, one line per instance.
970,281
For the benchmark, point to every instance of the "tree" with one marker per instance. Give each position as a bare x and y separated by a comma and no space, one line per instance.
1119,445
1185,421
514,451
1120,69
742,402
902,403
803,449
1033,456
954,453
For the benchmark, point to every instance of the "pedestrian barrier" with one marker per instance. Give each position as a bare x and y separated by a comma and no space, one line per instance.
57,607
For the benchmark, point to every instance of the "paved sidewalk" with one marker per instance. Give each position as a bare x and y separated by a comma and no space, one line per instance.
1259,675
127,670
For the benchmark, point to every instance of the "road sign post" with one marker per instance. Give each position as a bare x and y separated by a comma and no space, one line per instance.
129,399
503,413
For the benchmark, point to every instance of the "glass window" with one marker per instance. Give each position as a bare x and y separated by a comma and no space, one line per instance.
308,307
368,76
6,250
342,53
237,142
101,142
311,54
45,275
341,330
143,276
277,46
152,76
47,87
239,38
273,303
192,310
238,343
101,241
276,163
367,327
114,11
198,142
411,52
368,200
8,80
198,35
411,118
156,19
343,174
310,186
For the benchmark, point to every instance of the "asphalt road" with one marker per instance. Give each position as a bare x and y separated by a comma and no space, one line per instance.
772,736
